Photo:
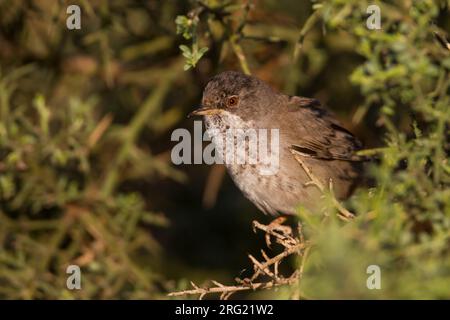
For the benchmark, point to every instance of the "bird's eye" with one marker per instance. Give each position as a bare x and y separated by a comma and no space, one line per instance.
232,101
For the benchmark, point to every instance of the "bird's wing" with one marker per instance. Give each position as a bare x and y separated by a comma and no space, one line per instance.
318,134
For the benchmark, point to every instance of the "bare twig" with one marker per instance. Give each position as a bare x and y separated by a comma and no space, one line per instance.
313,180
283,235
236,37
99,130
247,7
310,22
237,49
232,289
344,214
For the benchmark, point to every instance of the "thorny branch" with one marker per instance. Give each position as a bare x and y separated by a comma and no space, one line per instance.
281,234
344,214
268,268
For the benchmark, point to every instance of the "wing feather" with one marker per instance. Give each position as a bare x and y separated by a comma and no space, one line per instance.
320,135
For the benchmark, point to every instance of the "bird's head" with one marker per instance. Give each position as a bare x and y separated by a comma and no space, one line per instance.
234,93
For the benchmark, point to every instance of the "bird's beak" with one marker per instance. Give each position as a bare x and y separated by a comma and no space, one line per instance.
204,111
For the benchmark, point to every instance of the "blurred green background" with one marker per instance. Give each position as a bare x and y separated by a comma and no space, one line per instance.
86,118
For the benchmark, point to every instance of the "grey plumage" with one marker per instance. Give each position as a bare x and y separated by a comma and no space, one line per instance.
304,126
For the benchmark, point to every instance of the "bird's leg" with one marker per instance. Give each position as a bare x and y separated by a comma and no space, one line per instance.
274,228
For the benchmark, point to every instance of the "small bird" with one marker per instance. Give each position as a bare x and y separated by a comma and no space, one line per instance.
233,100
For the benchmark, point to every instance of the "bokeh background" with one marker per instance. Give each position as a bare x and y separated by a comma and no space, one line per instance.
86,118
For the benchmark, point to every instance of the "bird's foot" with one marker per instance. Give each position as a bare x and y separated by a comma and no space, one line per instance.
276,227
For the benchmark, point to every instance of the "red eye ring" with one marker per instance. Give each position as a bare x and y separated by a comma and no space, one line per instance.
232,101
